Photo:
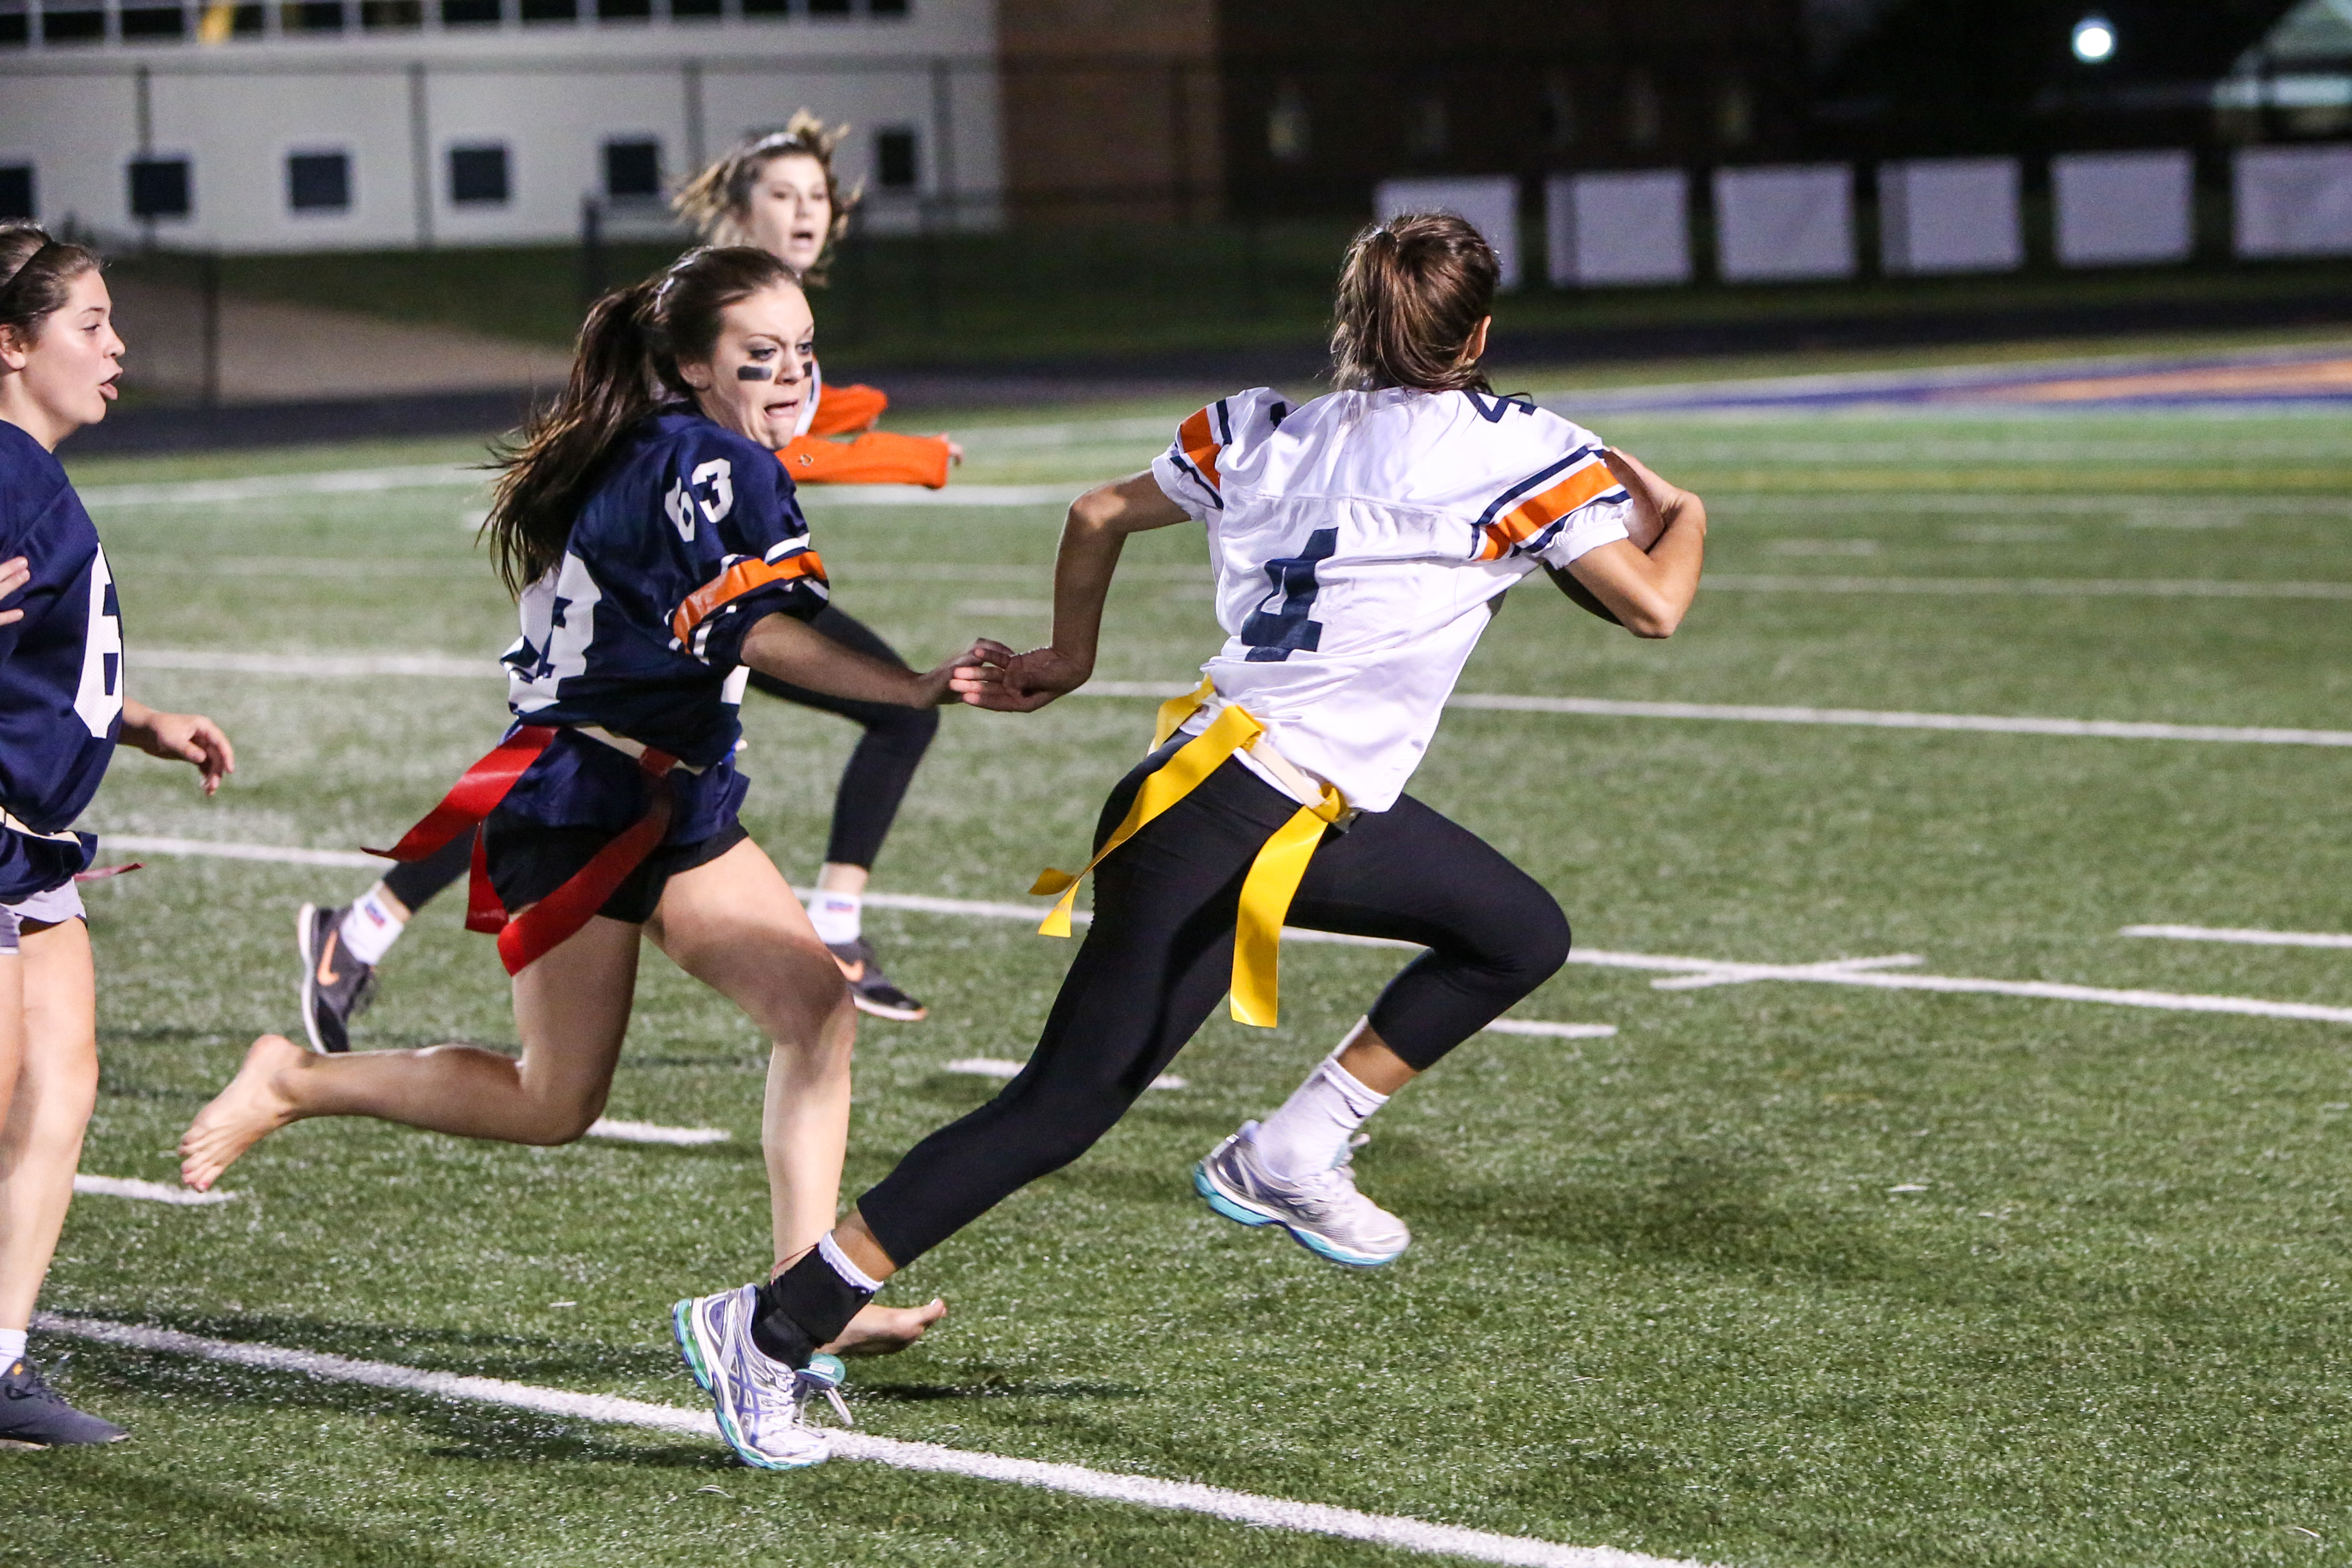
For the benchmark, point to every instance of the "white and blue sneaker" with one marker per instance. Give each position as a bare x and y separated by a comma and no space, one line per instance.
762,1404
1324,1213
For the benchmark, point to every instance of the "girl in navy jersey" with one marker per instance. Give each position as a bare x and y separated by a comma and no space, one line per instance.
62,711
659,558
776,192
1361,541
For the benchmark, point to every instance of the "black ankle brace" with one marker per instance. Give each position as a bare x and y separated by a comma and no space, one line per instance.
804,1308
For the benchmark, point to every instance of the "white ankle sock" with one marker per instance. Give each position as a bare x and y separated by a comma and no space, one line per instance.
1311,1131
836,916
371,926
12,1347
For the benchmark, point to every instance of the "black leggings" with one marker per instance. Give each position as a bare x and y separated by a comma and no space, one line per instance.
864,803
1159,956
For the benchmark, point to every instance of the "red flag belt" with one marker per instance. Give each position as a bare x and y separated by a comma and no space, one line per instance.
526,937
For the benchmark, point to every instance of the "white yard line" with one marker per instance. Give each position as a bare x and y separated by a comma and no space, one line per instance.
653,1133
2030,587
1001,1068
324,666
2251,938
1867,719
1716,971
148,1191
1146,1492
269,486
1552,1031
1743,973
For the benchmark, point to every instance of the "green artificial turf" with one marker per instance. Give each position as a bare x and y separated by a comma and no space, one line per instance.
1664,1293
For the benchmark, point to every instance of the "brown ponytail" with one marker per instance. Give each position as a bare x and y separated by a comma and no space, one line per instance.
1411,292
36,276
626,369
718,200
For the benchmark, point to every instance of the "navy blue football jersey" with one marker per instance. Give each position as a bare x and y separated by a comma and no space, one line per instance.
692,536
60,668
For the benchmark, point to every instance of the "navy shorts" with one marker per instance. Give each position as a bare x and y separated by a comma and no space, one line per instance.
528,860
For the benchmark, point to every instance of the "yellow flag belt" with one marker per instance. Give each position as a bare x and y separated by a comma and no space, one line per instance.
1274,875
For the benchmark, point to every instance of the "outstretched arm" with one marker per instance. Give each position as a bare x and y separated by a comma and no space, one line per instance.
1092,538
187,737
1645,592
790,650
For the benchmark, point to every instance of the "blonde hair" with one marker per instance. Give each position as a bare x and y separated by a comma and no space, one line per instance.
718,200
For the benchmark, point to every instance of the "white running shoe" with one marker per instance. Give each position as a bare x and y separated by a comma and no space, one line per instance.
1325,1213
760,1403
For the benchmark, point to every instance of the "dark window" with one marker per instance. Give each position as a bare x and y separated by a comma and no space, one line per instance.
625,10
828,7
694,10
15,24
70,24
886,7
469,13
551,10
16,191
767,10
632,168
391,16
894,159
319,182
312,16
153,22
159,188
478,176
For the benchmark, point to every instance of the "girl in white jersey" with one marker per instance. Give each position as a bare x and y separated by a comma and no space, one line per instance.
1360,542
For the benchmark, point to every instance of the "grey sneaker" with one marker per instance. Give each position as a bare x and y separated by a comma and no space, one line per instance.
870,988
35,1415
1325,1213
760,1404
336,987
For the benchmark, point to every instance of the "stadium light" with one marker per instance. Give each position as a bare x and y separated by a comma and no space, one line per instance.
2094,39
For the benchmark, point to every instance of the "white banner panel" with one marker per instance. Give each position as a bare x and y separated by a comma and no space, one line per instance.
1491,203
1793,220
2294,201
1630,228
1949,214
2121,208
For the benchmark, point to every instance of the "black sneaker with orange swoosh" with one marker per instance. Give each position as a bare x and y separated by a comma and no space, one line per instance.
336,987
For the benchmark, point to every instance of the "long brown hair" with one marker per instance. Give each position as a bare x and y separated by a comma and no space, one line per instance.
1412,291
627,367
718,200
36,276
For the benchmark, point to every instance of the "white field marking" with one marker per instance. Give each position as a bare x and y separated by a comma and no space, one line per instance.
1743,973
2033,586
148,1191
1833,972
998,1067
2096,728
2252,938
653,1133
1019,607
321,666
1146,1492
1552,1031
1068,433
340,665
820,501
265,487
280,855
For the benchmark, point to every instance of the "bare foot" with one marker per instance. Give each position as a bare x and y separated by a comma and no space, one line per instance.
887,1331
250,1109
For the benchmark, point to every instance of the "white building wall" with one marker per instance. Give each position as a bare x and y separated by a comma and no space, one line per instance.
552,95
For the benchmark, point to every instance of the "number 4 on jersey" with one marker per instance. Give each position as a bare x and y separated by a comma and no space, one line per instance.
1273,636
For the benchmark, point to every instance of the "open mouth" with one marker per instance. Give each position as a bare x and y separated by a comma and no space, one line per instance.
108,389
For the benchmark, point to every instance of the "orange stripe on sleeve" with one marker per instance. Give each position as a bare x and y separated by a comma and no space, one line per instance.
1539,512
743,577
1201,447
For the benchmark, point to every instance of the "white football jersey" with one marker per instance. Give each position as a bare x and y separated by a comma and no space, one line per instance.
1357,540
